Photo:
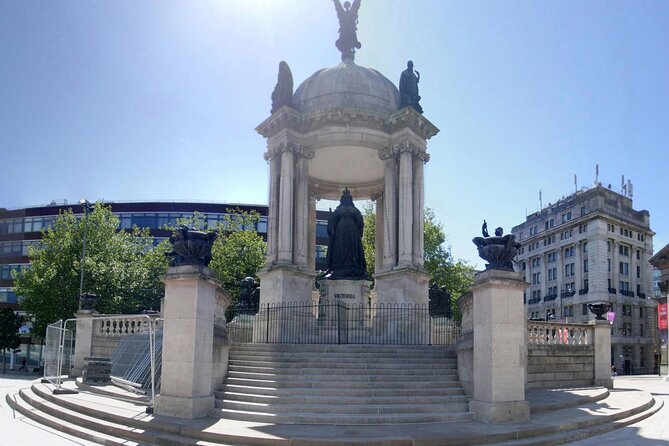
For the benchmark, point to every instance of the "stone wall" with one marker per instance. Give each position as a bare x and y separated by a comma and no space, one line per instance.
560,365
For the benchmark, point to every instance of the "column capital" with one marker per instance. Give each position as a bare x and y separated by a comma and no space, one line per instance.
289,146
314,196
377,195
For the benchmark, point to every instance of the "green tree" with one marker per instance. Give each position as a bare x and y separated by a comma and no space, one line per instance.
444,270
121,267
9,333
238,252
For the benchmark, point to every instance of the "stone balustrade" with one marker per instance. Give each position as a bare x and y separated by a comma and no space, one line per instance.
120,325
557,333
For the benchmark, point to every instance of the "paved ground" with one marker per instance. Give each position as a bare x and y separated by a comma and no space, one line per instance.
17,430
653,431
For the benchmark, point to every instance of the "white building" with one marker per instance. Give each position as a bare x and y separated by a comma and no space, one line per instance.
592,246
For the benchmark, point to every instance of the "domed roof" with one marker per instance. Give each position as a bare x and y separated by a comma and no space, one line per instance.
347,85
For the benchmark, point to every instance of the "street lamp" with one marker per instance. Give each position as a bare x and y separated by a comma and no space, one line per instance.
86,206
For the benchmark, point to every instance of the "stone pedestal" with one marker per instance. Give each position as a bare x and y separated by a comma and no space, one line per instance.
402,286
602,343
83,341
282,284
500,351
188,342
350,292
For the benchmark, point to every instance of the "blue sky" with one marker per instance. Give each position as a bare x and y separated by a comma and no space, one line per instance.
144,100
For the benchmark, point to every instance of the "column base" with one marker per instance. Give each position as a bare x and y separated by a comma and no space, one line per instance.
500,412
285,283
182,407
402,285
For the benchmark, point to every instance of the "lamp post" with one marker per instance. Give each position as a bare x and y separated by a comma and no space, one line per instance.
86,206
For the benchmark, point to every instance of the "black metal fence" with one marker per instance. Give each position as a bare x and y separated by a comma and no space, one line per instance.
335,322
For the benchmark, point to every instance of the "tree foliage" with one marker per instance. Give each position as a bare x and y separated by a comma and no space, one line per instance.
122,268
238,252
444,270
10,323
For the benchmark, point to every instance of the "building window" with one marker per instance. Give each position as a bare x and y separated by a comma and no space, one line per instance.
569,252
569,270
584,310
585,247
624,286
624,268
582,210
585,265
610,227
566,217
586,282
608,262
569,311
624,250
552,257
536,278
642,357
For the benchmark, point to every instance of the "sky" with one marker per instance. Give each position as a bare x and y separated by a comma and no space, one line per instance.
158,100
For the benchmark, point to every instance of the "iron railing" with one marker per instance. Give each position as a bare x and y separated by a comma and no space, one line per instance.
336,322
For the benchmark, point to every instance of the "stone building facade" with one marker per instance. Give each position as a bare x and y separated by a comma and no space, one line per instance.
592,246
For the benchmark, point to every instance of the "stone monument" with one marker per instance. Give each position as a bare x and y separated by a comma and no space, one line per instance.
345,127
499,346
194,357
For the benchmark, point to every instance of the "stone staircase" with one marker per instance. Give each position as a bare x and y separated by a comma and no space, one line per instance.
342,384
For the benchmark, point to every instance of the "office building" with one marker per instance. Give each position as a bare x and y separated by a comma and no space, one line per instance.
589,247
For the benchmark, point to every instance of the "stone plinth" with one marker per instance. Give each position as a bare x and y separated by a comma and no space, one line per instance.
500,351
402,286
602,343
350,292
84,341
188,342
282,284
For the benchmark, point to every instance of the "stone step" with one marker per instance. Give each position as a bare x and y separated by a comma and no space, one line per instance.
324,382
370,370
346,377
579,431
17,403
341,419
291,398
344,409
352,363
372,390
98,430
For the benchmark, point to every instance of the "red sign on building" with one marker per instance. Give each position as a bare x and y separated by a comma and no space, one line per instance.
662,316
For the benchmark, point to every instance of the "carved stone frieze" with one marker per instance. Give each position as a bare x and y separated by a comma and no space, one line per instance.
351,118
408,117
283,118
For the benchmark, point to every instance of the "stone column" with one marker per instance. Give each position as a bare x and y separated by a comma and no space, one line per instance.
614,263
83,341
286,208
578,264
379,239
301,235
602,343
418,209
405,226
273,209
500,350
390,212
188,341
311,245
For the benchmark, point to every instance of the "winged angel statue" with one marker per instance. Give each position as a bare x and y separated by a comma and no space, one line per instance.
348,21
